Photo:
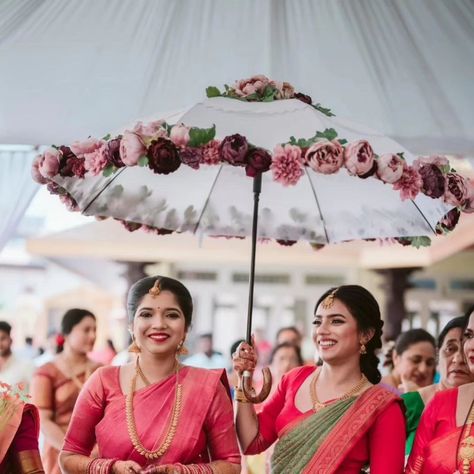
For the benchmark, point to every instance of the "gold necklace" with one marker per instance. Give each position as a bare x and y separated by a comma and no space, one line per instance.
172,424
466,447
317,405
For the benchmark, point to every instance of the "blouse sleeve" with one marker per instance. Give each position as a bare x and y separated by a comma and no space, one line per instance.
424,434
267,433
220,429
387,442
88,411
26,438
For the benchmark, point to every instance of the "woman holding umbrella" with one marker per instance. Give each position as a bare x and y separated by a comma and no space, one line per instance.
154,415
331,418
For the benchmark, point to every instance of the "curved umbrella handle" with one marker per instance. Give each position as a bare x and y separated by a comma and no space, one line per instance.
249,391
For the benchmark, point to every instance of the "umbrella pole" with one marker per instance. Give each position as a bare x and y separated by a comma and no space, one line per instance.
249,392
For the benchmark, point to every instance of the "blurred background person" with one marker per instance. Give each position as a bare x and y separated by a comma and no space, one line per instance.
13,369
289,334
453,370
50,350
284,357
106,355
28,351
206,357
414,362
56,385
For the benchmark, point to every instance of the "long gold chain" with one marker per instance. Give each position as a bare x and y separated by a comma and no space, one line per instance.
317,405
172,424
466,448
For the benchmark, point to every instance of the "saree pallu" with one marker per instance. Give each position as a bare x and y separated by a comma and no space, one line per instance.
19,429
205,430
318,443
52,390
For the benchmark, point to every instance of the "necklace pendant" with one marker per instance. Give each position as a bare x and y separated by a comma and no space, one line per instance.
318,406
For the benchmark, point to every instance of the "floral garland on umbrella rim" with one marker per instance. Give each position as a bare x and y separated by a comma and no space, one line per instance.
163,148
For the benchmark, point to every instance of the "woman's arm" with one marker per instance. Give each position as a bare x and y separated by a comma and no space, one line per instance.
42,391
387,442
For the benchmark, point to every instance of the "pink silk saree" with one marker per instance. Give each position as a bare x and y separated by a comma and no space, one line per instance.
205,430
437,437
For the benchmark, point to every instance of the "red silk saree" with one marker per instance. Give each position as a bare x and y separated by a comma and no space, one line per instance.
205,429
339,439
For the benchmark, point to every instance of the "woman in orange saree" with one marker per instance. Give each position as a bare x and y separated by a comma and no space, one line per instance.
56,385
444,442
154,415
330,419
19,429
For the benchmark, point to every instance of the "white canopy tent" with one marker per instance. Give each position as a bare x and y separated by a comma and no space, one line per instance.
86,67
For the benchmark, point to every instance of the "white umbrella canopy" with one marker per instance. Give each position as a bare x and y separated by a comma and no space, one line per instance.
217,200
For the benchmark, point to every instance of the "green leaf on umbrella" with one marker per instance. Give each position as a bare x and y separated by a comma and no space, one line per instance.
109,170
269,94
212,91
418,242
323,110
107,137
201,136
445,169
143,161
328,134
401,155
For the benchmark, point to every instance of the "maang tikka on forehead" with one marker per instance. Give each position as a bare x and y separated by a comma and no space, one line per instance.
155,289
329,300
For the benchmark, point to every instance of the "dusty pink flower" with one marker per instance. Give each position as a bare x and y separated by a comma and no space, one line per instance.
409,184
49,164
325,156
179,135
112,153
87,146
287,164
150,130
258,161
359,159
96,161
469,201
433,178
390,167
191,156
234,149
254,85
284,89
131,148
69,202
35,172
210,153
457,190
438,160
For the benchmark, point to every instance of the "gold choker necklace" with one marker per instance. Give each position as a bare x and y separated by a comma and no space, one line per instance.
172,424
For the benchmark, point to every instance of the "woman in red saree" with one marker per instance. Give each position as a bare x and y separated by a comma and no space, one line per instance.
330,419
56,385
154,415
19,429
444,441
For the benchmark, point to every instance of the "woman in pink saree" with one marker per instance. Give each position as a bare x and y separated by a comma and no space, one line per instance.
444,442
153,415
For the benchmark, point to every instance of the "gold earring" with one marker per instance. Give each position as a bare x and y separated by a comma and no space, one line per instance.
363,349
133,347
181,349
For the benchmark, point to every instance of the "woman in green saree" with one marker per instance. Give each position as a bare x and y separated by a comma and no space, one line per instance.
329,419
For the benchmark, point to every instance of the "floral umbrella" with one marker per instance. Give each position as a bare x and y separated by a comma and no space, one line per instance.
322,179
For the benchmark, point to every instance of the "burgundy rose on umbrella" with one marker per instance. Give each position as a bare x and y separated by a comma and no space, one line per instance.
432,176
448,221
234,149
191,156
131,148
130,226
325,156
254,85
258,161
409,183
112,153
304,98
163,157
457,189
359,159
287,164
390,167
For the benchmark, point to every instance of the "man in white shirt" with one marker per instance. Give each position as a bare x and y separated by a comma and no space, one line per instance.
13,369
206,357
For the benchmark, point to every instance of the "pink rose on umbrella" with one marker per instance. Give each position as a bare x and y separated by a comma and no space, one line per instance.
457,189
131,148
150,130
287,164
409,184
49,163
179,135
254,85
87,146
96,161
469,201
390,167
284,89
359,159
210,153
325,156
234,150
258,161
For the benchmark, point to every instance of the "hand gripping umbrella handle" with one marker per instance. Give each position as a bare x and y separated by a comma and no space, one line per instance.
249,391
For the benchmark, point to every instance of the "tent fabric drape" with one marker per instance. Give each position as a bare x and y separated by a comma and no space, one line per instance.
86,67
17,189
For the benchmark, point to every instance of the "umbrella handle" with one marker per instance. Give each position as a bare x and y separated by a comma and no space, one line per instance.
249,391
